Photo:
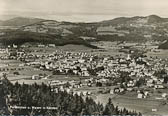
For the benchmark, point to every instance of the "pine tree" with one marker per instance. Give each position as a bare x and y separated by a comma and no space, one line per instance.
109,108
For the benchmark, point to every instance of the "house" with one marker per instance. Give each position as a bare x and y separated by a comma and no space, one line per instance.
85,93
164,95
51,45
21,65
140,96
129,89
68,90
35,77
85,73
154,110
78,93
41,46
89,93
159,86
15,46
146,93
130,84
128,57
116,90
81,60
75,72
112,91
54,90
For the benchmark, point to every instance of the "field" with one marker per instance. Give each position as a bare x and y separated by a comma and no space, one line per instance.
79,48
25,73
112,48
163,54
69,47
131,102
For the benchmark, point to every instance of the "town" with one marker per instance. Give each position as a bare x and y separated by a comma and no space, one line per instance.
86,74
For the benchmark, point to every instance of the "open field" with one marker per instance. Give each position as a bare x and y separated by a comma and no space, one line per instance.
25,81
163,54
71,47
144,106
111,52
10,62
131,102
68,77
105,50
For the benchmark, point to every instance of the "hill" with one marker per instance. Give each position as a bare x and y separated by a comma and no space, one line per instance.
19,37
137,19
1,22
20,21
136,29
155,19
164,45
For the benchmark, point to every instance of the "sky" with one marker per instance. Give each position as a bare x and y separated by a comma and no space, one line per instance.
82,10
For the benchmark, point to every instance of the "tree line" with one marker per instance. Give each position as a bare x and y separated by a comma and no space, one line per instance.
66,104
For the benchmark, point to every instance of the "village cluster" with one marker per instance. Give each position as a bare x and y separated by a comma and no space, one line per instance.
127,74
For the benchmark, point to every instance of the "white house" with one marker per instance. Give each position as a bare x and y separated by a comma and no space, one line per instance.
140,96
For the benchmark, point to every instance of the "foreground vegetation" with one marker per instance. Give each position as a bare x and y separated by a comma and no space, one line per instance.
66,104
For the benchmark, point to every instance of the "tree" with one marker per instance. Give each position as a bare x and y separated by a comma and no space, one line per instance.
99,84
41,95
140,82
16,73
109,108
165,79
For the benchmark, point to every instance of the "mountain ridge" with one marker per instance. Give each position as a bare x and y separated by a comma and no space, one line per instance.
137,28
20,21
28,20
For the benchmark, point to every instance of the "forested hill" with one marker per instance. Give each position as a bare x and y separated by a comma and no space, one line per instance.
20,21
64,103
164,45
138,29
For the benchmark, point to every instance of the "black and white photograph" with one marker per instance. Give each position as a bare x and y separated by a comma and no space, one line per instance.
83,57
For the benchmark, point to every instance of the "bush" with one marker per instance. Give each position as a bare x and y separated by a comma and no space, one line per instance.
16,73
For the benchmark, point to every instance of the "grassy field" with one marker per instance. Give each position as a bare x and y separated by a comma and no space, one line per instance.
73,48
25,73
142,105
69,47
68,78
25,81
131,102
106,50
163,54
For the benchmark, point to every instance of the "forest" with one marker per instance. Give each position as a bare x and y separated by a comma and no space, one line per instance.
66,104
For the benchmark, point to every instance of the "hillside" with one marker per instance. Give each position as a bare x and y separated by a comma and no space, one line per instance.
137,19
1,21
20,37
126,28
136,29
164,45
20,21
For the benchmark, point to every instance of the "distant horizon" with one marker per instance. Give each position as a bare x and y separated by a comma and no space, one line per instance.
82,10
58,17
